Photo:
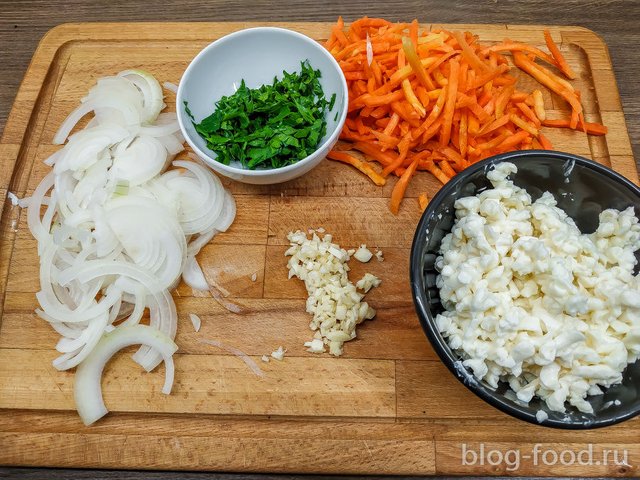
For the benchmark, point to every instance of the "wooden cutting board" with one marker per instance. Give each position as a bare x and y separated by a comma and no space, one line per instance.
388,406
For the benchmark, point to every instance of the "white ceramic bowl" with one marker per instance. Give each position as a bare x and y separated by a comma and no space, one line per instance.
257,55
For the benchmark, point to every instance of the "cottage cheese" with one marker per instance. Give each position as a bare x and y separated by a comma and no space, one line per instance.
532,301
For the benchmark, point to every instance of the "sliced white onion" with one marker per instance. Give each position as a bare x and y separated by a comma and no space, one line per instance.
119,231
239,353
196,321
196,244
151,90
172,87
87,388
228,213
87,145
193,275
138,161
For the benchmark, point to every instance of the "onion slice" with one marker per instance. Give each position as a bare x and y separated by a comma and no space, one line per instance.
196,321
238,353
87,388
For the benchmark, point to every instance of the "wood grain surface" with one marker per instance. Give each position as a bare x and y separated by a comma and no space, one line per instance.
375,381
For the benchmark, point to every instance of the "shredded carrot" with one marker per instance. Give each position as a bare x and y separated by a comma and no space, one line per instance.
538,105
439,101
397,194
423,201
558,57
450,103
590,128
364,167
544,142
520,47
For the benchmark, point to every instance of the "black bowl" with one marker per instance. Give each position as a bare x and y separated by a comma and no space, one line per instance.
583,189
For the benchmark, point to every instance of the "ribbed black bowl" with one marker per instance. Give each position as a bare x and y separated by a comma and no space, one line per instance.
590,189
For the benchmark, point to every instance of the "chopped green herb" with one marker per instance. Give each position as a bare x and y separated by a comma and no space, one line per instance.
271,126
186,109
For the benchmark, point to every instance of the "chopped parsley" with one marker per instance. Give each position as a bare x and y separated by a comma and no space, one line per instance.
271,126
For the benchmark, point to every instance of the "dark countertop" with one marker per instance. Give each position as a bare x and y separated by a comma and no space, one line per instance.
24,22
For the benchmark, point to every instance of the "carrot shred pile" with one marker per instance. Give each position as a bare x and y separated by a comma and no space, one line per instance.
439,101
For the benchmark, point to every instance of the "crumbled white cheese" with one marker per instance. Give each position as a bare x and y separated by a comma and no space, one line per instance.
254,277
334,302
379,256
367,282
363,254
532,301
279,353
265,359
541,416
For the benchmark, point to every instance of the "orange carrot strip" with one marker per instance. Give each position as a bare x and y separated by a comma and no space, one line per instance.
446,168
441,60
462,133
433,115
416,64
393,123
548,79
494,142
544,142
359,164
423,96
403,148
377,73
380,111
575,115
538,105
436,172
366,111
513,140
397,194
518,97
521,47
405,114
423,201
377,100
458,160
412,99
355,75
348,134
370,150
591,128
474,125
560,61
450,104
526,126
495,125
502,100
340,36
524,108
469,54
487,77
432,130
386,141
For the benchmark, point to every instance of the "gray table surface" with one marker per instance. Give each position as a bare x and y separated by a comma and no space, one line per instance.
24,22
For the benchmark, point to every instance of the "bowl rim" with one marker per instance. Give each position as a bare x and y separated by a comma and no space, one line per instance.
427,321
228,169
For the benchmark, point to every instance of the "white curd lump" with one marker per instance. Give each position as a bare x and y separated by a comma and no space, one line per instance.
532,301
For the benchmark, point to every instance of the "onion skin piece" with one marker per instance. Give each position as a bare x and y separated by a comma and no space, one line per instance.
87,390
